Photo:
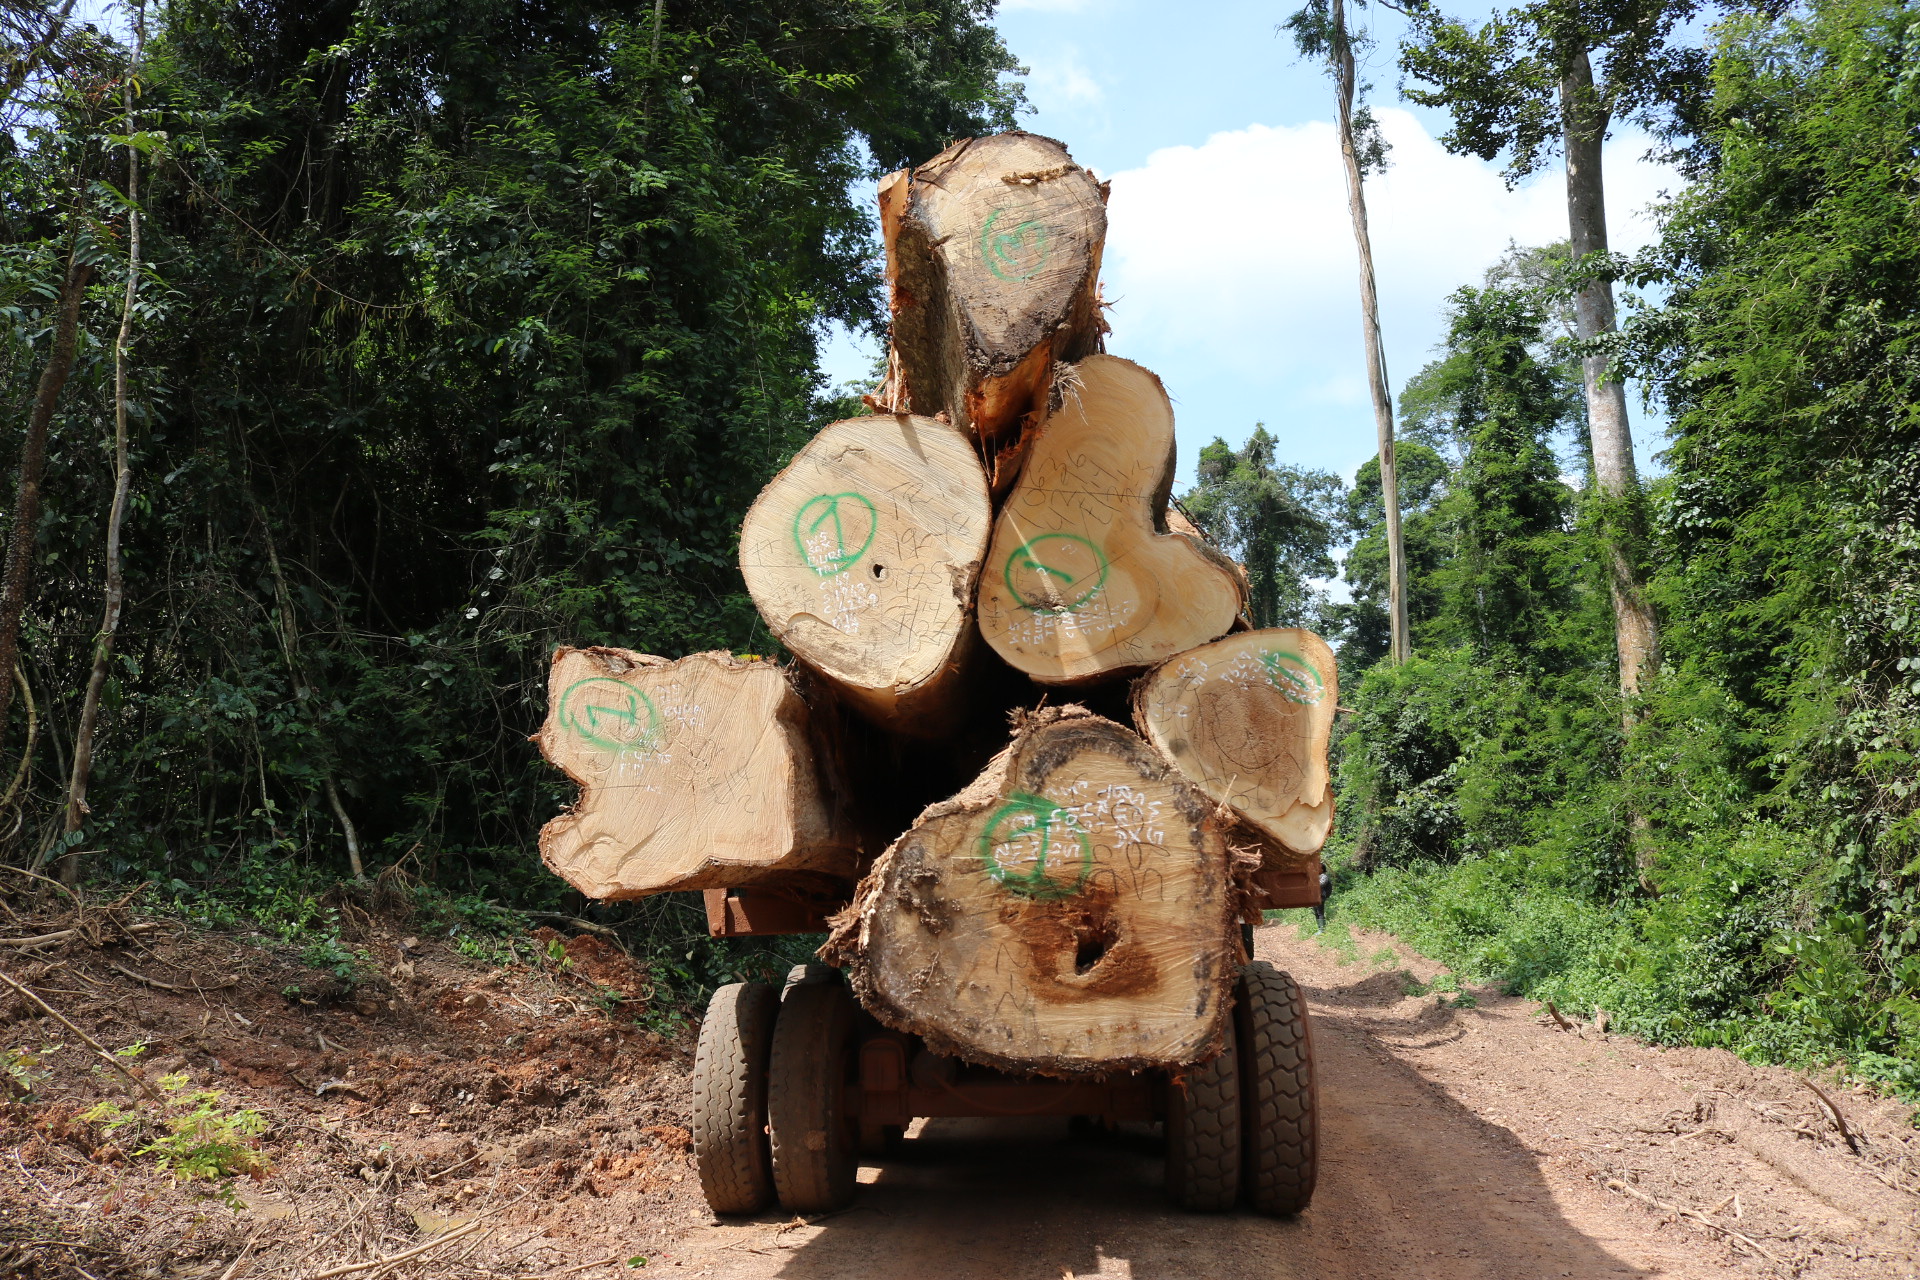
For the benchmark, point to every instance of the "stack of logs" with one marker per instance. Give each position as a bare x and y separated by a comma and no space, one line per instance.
1066,902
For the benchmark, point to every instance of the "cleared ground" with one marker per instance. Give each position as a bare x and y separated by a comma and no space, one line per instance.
505,1103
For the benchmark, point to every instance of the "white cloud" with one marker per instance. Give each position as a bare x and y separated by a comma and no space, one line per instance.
1058,83
1236,256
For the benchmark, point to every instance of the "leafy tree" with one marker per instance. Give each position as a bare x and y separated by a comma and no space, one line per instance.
468,329
1280,521
1523,84
1362,621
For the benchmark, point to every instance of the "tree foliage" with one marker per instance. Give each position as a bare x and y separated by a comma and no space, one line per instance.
1281,522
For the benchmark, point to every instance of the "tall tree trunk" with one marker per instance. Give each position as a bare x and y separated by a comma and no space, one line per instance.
1344,76
1636,630
116,586
33,463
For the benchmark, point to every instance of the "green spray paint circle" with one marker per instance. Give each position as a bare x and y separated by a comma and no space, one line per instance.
1062,561
1008,253
832,514
610,714
1029,821
1294,677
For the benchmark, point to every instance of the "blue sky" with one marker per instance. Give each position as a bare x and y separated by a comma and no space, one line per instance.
1229,255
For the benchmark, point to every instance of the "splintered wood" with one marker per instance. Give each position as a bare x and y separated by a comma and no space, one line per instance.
993,263
1070,912
1247,719
862,556
694,774
1082,582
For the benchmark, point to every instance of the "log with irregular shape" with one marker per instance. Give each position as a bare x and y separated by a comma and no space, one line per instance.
1070,913
862,557
993,265
695,774
1083,582
1247,719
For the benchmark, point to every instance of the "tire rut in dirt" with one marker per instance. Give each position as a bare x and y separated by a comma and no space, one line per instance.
1277,1082
814,1144
1203,1133
730,1098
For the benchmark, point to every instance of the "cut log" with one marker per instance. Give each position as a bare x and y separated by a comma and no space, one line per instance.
1247,719
1069,913
993,265
695,774
863,557
1083,582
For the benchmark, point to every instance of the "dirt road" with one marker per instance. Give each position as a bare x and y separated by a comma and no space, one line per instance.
487,1119
1459,1143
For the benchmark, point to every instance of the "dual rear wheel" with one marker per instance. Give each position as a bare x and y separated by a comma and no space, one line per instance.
1243,1125
770,1111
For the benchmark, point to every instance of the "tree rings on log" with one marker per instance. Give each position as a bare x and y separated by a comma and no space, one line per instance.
1071,912
993,264
1082,582
1247,719
695,774
862,557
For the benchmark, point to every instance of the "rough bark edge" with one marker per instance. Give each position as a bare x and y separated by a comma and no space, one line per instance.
848,929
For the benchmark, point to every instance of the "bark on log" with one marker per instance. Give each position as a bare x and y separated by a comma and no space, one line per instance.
1070,913
863,556
1083,581
695,774
993,266
1247,719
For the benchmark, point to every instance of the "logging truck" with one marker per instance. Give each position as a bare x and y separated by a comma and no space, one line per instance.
1030,768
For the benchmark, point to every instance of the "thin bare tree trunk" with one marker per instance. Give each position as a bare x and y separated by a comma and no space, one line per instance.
116,587
1636,629
1342,53
33,464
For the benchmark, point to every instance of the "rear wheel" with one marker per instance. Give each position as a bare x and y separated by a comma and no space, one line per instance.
814,1141
730,1098
1203,1133
1277,1083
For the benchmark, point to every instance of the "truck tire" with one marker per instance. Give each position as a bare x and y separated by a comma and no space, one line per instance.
807,974
1277,1083
1203,1133
814,1139
730,1098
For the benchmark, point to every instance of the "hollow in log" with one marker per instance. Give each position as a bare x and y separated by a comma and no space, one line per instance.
695,774
863,556
1247,719
1071,912
1083,582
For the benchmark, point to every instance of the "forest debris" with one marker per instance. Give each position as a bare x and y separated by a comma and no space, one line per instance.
169,986
1833,1113
1692,1215
98,1048
1564,1024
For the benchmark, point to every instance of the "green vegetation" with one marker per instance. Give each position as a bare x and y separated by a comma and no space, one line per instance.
465,329
189,1133
1735,862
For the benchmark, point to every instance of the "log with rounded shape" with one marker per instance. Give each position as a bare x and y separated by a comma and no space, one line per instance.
1279,1092
993,267
815,1142
862,557
1247,719
695,774
1070,913
1203,1133
1082,583
730,1098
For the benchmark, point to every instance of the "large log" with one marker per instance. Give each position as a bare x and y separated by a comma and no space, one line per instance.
1247,719
862,557
993,266
1070,913
1083,580
695,774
